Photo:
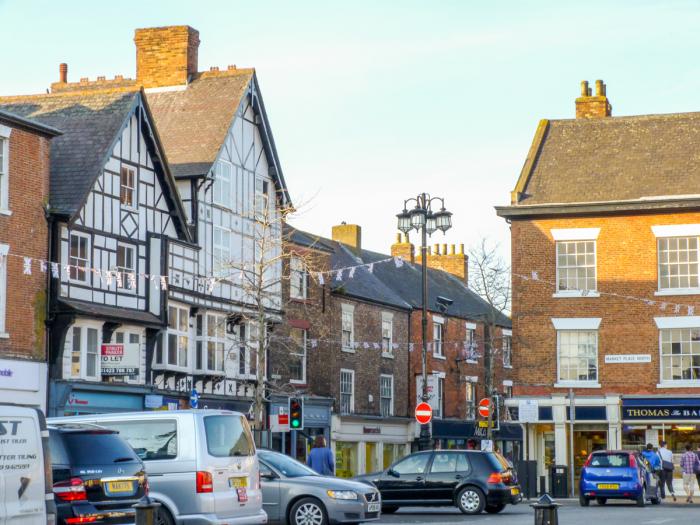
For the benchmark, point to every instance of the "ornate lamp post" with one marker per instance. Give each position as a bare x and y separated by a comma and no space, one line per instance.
422,218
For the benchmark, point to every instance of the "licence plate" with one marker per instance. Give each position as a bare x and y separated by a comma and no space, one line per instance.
237,483
373,507
120,486
514,491
242,494
608,486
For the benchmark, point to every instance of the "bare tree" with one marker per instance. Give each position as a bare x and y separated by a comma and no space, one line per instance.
489,277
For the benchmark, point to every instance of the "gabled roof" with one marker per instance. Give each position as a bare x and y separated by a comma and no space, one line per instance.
91,122
195,119
621,160
32,125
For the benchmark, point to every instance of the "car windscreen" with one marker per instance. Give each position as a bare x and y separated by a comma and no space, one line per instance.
289,467
97,448
228,435
610,460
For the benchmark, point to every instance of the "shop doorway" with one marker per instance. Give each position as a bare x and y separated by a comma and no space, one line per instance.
586,440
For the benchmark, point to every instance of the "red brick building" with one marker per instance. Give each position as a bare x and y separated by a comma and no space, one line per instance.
605,226
24,191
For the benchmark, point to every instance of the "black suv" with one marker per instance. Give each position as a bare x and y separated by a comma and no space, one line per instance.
471,480
97,476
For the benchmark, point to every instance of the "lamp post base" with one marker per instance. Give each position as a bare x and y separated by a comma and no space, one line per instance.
424,439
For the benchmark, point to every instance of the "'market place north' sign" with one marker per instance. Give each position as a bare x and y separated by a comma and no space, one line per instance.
627,358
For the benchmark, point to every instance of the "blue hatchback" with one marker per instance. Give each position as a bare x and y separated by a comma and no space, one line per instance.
617,474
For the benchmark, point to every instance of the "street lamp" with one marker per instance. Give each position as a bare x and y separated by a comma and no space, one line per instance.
422,218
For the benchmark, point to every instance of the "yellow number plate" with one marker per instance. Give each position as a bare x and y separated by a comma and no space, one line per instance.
120,486
514,491
608,486
237,483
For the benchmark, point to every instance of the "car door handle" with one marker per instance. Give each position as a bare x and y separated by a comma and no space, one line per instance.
458,476
419,478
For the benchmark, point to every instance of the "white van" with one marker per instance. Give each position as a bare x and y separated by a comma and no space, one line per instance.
26,492
201,464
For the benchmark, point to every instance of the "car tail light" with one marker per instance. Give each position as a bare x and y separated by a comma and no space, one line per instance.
204,482
495,478
71,489
81,519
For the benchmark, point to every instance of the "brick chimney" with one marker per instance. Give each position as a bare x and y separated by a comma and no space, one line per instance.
63,73
453,262
166,56
588,106
404,249
348,234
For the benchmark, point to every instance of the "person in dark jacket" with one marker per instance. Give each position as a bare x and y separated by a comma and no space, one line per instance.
321,458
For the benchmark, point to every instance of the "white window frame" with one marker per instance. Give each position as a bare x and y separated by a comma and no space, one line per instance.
667,232
670,323
84,353
262,199
126,189
124,270
351,373
216,335
5,133
382,391
347,315
245,349
221,189
300,352
576,292
439,343
507,348
298,278
221,252
179,333
388,325
87,261
440,412
470,342
470,400
568,383
4,250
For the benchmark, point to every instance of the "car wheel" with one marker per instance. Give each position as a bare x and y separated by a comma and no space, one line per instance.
308,511
495,509
601,501
471,500
163,517
642,498
389,509
583,500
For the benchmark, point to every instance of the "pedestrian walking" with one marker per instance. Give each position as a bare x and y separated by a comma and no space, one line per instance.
666,470
321,458
690,465
654,462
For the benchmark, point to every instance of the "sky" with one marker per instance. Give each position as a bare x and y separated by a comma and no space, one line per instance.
371,102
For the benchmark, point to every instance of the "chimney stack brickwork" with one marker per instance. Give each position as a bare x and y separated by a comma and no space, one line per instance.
166,56
348,234
403,249
452,261
589,106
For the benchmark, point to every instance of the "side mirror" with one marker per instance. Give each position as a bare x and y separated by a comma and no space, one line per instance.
268,476
391,472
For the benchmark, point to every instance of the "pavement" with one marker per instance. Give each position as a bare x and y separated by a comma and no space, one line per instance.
570,513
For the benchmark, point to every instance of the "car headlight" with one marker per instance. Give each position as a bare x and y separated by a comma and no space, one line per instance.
342,494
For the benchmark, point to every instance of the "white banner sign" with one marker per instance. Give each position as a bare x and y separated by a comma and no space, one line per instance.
528,411
432,391
628,358
120,359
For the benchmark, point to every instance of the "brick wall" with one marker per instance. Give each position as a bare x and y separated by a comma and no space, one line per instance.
25,231
626,265
166,56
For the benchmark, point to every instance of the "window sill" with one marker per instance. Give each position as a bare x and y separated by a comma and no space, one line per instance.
4,335
388,356
348,350
683,383
5,212
508,367
679,291
173,368
577,384
471,361
302,300
297,382
128,208
440,356
575,294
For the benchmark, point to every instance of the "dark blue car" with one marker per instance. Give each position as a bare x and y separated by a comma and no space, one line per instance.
617,474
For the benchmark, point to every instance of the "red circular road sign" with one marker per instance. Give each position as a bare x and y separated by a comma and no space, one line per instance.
485,407
424,413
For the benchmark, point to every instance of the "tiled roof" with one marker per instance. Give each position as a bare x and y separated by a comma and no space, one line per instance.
90,122
193,121
12,118
613,159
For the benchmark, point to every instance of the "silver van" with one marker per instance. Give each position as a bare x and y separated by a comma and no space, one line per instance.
201,464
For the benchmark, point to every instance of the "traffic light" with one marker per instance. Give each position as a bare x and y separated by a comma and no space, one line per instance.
296,413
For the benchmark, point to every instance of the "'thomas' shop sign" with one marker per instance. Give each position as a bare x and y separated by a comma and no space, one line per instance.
667,409
120,359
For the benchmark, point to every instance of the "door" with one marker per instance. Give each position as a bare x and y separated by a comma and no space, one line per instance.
446,472
270,484
405,480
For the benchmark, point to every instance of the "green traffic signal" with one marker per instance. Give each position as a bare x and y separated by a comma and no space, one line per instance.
295,423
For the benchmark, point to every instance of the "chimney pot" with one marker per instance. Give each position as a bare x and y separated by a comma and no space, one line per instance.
461,249
398,238
444,249
232,67
406,238
101,78
118,77
588,106
599,88
584,88
213,68
84,79
63,73
452,249
437,249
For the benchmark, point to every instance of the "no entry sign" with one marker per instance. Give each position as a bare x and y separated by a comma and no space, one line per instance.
424,413
485,407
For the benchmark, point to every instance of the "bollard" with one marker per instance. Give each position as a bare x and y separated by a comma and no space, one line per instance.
146,511
546,511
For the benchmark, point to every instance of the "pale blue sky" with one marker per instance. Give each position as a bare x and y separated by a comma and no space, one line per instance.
372,102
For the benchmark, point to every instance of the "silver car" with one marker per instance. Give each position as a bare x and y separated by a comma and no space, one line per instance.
296,495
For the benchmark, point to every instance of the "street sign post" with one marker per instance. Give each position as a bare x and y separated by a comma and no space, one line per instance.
194,399
485,407
424,413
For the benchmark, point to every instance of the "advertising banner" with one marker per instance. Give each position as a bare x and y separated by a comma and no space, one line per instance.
120,359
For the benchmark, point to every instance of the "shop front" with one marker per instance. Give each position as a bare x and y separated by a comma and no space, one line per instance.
77,398
369,444
507,438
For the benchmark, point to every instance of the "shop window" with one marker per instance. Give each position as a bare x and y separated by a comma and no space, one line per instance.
345,459
371,457
680,354
390,454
